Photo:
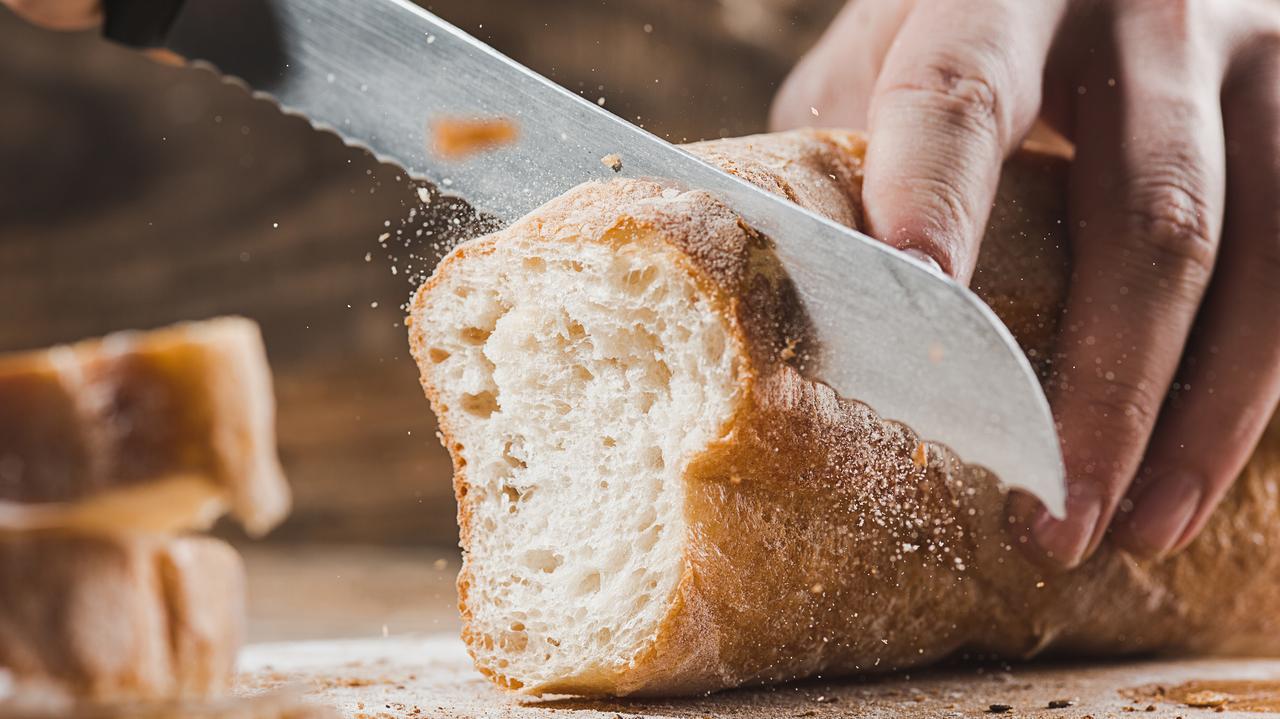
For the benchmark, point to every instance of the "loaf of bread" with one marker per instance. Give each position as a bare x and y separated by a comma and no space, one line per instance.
654,500
99,619
149,431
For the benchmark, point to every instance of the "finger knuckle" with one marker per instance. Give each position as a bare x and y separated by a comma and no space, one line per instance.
1122,410
968,96
1171,228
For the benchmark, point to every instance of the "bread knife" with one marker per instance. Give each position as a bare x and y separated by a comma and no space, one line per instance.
918,348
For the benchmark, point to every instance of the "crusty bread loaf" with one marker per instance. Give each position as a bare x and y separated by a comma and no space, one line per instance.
652,498
115,619
141,431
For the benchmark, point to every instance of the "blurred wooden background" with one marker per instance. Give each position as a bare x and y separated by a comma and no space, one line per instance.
134,194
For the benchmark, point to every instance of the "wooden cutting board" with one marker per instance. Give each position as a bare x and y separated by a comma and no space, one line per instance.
432,676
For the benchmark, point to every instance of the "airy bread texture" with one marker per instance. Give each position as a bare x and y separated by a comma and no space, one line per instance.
654,500
99,619
147,431
577,377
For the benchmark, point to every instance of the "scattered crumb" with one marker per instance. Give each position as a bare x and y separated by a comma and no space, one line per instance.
818,589
998,708
789,351
1241,695
1205,699
1060,703
613,161
920,457
441,565
455,138
349,682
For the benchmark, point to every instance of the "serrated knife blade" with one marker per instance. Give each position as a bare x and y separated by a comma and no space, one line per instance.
917,348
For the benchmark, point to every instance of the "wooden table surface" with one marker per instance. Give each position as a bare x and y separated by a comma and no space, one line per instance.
318,591
372,631
431,676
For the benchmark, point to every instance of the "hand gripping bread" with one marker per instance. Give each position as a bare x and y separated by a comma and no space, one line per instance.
157,431
111,619
653,499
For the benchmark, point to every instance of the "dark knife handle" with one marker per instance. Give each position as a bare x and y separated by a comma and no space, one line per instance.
140,23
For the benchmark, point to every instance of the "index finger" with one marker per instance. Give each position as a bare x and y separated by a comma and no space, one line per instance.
959,89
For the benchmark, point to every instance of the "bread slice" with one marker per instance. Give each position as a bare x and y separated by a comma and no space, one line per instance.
118,619
141,431
654,500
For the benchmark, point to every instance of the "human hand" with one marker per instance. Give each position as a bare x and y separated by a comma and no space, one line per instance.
1168,363
58,14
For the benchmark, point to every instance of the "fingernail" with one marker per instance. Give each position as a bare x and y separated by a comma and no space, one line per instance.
926,259
1163,511
1066,541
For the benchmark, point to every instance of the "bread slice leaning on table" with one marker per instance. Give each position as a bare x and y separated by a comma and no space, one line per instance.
159,430
654,500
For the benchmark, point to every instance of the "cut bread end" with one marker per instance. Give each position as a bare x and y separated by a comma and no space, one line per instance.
575,378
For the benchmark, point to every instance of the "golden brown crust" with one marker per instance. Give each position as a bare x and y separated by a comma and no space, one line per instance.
825,540
905,564
133,410
126,619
